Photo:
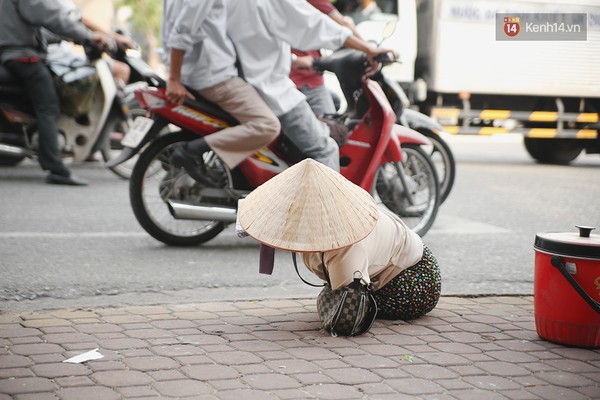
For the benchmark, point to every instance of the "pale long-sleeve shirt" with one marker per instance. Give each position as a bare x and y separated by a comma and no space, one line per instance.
263,31
198,27
21,21
388,250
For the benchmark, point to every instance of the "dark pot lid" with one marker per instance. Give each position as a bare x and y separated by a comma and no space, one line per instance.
571,244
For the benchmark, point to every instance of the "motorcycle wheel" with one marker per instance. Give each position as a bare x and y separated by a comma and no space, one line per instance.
154,180
8,161
444,162
409,189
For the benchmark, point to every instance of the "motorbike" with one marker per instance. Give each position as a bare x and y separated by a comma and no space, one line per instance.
93,109
440,153
381,156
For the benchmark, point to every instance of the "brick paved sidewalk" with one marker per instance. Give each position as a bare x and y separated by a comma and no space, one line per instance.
467,348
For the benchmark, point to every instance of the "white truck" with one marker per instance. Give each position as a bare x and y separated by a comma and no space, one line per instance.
473,83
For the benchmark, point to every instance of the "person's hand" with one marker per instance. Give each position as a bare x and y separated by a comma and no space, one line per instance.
124,42
304,62
176,92
374,52
100,40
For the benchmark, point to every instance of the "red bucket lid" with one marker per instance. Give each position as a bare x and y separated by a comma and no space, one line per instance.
570,244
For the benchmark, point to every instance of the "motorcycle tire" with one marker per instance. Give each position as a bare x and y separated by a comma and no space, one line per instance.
154,180
409,188
443,159
9,161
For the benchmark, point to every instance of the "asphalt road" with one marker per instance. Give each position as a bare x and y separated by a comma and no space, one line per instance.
82,247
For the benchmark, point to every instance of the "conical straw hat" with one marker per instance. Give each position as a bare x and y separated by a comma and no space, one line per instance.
308,207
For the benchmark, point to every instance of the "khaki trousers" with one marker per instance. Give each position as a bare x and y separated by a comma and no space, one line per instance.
258,124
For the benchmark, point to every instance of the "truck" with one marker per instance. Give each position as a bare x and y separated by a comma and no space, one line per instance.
473,78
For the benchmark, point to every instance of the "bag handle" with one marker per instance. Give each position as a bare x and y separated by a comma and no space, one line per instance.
298,272
557,262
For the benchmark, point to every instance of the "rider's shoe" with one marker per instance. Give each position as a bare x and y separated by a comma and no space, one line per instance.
193,165
72,180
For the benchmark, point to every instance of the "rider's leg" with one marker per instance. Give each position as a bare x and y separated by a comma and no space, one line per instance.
39,85
319,99
310,135
258,124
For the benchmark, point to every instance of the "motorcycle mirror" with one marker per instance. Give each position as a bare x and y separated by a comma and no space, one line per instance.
379,27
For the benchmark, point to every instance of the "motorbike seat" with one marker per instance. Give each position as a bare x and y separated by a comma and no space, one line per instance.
211,108
8,83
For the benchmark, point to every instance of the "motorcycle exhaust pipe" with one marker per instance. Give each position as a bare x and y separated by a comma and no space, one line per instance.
183,210
13,151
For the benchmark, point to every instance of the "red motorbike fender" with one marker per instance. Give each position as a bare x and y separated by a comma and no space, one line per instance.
401,134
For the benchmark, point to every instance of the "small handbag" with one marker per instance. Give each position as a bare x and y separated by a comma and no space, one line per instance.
347,311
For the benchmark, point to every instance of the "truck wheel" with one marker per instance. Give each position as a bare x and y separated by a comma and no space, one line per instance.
553,151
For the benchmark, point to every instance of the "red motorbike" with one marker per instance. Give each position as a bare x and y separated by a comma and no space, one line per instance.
177,210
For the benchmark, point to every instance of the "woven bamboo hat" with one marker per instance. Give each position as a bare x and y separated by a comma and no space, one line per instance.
308,207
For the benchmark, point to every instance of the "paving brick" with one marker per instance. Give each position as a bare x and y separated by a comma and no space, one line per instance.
46,358
575,366
166,375
552,392
249,369
370,362
55,370
151,363
235,357
458,348
427,371
210,372
246,394
444,359
14,361
487,382
37,348
41,323
313,353
104,365
27,340
73,381
256,345
15,331
511,356
564,379
68,337
414,386
502,368
120,344
137,391
88,393
312,378
333,391
31,396
270,381
14,372
99,328
294,366
476,394
121,378
26,385
176,350
352,376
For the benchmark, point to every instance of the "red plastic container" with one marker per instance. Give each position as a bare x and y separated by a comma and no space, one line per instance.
567,287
